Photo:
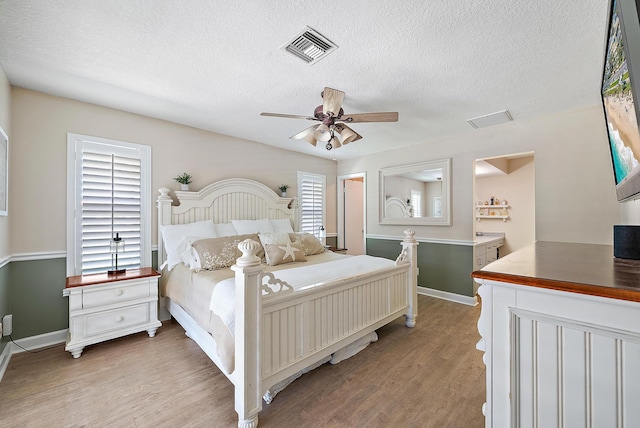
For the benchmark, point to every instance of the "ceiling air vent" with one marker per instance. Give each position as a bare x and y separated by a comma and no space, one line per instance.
491,119
310,46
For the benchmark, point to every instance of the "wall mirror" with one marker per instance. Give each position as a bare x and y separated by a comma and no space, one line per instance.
419,194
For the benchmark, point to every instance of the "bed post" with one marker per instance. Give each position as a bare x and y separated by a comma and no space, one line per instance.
164,217
247,372
410,249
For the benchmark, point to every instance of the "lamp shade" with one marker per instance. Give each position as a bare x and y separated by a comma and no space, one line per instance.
347,134
322,133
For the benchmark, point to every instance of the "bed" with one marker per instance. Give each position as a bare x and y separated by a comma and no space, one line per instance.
279,320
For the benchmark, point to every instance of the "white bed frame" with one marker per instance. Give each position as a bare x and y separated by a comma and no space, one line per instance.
282,333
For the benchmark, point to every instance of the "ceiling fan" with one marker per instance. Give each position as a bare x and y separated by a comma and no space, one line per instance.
333,130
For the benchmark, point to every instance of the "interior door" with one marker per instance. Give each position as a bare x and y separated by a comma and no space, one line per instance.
354,216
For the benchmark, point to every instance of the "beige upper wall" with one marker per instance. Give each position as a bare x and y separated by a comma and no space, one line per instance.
517,188
5,108
575,195
40,124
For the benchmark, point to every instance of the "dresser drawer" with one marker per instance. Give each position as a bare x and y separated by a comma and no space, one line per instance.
123,292
116,319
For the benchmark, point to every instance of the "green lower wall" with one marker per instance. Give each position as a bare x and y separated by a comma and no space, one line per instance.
443,267
4,299
32,290
36,299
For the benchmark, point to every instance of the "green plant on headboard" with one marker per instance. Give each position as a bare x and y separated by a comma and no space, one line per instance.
183,178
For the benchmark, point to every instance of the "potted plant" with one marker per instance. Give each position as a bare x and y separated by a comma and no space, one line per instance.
184,179
283,190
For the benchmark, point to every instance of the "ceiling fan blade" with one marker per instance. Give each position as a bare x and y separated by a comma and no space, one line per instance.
306,135
289,116
347,134
390,116
332,101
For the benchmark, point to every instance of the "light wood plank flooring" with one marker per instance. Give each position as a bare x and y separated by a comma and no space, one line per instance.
428,376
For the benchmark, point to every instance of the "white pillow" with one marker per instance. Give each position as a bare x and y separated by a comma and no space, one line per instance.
244,227
173,234
282,225
225,229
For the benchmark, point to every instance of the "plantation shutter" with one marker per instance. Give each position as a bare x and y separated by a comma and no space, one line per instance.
311,188
110,205
110,193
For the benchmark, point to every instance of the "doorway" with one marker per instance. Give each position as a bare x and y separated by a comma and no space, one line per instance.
352,213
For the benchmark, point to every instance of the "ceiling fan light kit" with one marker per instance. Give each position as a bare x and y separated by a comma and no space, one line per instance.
333,130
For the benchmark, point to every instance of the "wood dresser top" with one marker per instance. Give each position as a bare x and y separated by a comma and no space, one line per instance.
578,268
102,278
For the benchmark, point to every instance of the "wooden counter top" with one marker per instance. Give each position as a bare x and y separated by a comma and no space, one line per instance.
578,268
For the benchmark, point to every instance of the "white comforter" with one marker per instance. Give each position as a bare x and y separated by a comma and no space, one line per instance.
223,296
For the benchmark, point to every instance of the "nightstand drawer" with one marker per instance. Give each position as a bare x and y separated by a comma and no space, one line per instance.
117,319
115,294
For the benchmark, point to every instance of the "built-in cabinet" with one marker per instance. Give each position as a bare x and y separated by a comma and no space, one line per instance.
486,249
560,328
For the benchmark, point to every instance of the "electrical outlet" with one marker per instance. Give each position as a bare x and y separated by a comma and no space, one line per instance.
7,323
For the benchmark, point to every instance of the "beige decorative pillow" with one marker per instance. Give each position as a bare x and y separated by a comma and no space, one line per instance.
310,243
280,254
220,253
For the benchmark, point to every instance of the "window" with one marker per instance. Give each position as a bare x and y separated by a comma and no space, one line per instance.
108,192
416,203
311,197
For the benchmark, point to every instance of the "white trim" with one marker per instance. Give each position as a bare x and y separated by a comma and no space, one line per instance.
5,357
31,343
40,341
340,207
5,261
428,240
23,257
445,295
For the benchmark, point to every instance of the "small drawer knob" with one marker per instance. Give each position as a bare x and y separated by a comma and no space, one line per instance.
119,319
119,292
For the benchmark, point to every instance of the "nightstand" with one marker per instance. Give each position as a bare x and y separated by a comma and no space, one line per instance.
103,307
337,250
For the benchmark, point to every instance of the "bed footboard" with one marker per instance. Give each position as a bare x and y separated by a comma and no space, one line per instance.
279,334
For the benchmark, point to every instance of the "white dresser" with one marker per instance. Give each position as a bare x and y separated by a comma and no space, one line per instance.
103,307
560,327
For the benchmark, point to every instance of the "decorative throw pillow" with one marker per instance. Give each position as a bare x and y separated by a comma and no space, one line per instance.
220,253
309,242
172,235
273,238
288,253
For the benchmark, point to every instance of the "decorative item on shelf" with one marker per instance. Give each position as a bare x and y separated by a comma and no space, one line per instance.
504,202
184,179
322,234
116,246
283,190
408,201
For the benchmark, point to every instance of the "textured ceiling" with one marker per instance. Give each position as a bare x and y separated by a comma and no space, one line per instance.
217,65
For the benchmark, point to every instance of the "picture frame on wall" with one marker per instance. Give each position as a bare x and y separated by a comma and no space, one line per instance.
4,173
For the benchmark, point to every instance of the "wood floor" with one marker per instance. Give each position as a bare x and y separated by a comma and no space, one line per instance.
428,376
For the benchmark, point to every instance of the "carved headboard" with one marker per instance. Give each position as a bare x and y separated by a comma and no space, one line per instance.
221,202
397,208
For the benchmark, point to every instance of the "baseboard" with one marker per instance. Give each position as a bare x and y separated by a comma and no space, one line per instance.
445,295
39,341
4,359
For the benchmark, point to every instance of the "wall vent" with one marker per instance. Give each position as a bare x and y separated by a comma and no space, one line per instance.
310,46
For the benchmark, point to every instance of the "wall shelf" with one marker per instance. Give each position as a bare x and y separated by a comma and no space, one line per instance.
492,212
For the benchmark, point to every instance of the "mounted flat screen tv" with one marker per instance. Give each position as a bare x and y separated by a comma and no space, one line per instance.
619,96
